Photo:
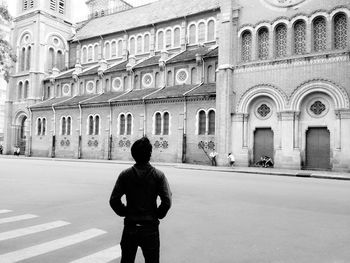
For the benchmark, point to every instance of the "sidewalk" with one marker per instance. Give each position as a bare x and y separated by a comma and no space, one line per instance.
248,170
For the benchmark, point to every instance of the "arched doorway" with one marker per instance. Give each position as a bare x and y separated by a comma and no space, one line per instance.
263,143
21,130
317,148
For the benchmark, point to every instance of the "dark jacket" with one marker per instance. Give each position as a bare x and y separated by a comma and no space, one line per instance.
141,184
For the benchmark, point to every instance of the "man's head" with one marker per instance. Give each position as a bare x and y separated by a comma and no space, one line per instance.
141,150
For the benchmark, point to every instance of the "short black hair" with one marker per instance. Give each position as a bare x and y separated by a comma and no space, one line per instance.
141,150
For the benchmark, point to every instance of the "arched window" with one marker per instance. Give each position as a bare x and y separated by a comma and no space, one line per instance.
122,124
201,122
91,125
169,78
340,31
192,34
97,125
281,40
319,34
193,75
146,43
29,50
38,129
60,60
300,37
96,53
246,46
23,58
43,132
120,48
201,32
64,126
125,83
166,123
211,30
210,74
158,126
69,125
177,37
136,82
20,91
263,43
211,122
107,88
132,46
168,39
26,90
90,51
128,124
114,49
51,58
160,38
107,51
139,44
61,7
84,56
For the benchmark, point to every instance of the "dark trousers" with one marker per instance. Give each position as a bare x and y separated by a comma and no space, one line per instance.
145,237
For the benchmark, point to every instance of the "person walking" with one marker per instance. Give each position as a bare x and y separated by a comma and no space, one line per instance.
141,184
212,156
231,159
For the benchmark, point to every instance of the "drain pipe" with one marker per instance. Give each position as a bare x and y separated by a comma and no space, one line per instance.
30,132
110,139
53,146
184,133
144,117
80,125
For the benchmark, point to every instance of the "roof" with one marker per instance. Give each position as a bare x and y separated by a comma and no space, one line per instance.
154,60
48,103
65,74
213,53
189,54
104,97
91,71
149,14
135,95
171,92
118,67
204,89
73,101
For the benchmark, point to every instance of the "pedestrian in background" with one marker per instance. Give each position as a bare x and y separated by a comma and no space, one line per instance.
141,184
231,159
212,156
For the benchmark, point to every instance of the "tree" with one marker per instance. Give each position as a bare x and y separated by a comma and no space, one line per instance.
7,56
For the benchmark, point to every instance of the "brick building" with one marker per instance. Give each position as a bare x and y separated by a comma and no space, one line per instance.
252,77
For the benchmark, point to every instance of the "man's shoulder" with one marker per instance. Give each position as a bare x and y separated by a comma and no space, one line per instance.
125,172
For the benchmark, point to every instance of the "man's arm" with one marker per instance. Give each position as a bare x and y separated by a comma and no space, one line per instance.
115,201
165,197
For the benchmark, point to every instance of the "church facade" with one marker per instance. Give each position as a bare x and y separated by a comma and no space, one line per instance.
252,77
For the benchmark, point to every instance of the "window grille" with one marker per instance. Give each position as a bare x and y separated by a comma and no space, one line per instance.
202,122
158,124
300,38
122,124
263,110
246,46
53,5
320,34
211,128
340,31
177,37
61,6
318,107
201,32
160,40
166,123
192,34
211,30
281,41
263,44
128,124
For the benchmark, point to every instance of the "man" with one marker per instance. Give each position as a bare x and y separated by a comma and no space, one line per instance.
141,184
213,155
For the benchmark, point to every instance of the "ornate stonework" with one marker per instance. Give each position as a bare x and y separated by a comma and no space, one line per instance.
283,3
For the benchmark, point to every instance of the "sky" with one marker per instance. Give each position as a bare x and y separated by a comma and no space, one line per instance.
80,11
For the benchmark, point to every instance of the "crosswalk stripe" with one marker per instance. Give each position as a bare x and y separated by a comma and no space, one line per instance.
4,211
31,230
16,218
103,256
50,246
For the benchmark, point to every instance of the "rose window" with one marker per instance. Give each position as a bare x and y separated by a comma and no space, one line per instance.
66,90
147,80
318,107
182,76
263,110
117,83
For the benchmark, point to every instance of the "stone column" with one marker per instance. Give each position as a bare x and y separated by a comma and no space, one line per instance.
309,38
290,42
152,42
330,38
183,39
337,130
239,134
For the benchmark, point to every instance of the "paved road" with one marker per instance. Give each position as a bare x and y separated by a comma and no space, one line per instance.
54,211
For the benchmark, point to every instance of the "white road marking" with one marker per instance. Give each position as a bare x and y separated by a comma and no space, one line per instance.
16,218
47,247
31,230
4,211
102,256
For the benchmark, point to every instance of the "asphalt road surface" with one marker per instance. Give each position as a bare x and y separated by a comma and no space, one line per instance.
55,211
